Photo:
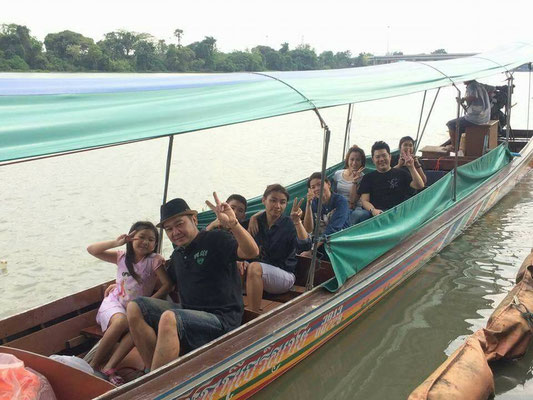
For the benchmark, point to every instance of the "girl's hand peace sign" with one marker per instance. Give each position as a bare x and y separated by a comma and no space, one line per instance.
296,212
225,214
125,238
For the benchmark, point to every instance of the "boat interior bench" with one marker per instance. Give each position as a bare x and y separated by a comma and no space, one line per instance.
323,272
54,328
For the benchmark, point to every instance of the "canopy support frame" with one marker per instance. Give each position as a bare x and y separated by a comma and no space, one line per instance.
420,119
349,117
417,142
528,98
456,144
167,178
327,135
315,239
508,107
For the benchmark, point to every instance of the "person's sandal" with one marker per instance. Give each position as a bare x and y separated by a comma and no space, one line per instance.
112,377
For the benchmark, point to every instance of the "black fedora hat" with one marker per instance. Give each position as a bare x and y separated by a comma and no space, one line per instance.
174,208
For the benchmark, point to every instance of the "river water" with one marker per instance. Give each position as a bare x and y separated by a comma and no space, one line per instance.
52,209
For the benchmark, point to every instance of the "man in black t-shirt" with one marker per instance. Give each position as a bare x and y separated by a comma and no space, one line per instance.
203,268
387,187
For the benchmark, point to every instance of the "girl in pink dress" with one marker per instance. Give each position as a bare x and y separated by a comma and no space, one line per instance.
137,273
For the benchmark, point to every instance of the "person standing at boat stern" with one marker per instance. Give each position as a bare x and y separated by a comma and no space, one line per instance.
387,187
477,110
203,268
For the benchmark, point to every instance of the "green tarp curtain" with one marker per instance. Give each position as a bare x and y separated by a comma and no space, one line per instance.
44,114
354,248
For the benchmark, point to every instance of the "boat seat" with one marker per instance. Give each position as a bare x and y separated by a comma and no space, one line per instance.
480,138
266,306
294,292
93,331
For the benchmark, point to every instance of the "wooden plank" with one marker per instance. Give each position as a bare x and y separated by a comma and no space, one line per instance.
475,136
53,339
56,309
76,341
93,331
68,383
323,271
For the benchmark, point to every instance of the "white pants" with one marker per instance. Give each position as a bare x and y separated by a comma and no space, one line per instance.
276,280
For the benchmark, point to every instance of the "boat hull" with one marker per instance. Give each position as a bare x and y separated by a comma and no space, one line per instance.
279,341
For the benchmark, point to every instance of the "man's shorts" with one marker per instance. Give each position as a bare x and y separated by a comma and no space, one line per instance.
276,280
463,124
195,328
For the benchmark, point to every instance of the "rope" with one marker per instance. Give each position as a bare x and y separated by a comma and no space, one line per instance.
528,316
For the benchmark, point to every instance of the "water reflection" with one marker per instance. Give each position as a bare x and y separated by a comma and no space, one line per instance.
393,348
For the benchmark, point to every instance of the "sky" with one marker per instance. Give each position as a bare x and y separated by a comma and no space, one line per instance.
375,26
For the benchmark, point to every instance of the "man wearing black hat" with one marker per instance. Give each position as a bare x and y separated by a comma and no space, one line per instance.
203,267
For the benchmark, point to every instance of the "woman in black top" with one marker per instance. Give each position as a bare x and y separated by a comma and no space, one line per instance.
277,237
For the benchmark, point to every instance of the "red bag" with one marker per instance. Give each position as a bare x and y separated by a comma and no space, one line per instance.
20,383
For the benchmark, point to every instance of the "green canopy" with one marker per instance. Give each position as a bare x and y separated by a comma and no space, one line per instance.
45,114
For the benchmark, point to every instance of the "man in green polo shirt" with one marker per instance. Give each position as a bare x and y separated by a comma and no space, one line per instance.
203,268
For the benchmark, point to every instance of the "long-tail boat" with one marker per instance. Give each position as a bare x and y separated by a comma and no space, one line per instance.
47,115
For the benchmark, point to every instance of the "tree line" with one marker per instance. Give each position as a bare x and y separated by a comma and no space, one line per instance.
126,51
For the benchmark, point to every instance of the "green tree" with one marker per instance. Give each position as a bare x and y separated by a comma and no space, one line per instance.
363,59
304,57
179,34
145,57
343,59
68,45
120,45
326,60
15,40
205,50
179,59
95,59
272,59
241,61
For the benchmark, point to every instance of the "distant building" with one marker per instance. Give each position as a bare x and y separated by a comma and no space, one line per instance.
374,60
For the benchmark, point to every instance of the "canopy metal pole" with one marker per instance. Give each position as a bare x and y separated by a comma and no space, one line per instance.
420,119
311,275
417,142
167,176
508,107
456,144
347,131
528,99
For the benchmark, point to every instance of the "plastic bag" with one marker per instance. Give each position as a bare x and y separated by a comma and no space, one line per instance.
74,362
20,383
